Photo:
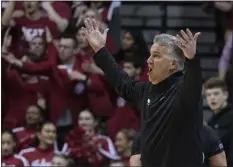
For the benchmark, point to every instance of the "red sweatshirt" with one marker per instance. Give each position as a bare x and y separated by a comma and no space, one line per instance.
25,137
62,93
14,160
20,95
95,150
98,96
125,117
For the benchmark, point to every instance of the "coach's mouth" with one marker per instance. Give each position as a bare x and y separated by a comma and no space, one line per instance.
150,69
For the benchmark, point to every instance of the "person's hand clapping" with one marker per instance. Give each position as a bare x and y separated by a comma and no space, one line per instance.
96,39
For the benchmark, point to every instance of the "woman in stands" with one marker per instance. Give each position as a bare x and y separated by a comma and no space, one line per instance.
123,143
9,158
42,154
134,45
87,146
26,134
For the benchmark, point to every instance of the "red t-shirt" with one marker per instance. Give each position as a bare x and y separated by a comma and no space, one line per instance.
25,137
27,29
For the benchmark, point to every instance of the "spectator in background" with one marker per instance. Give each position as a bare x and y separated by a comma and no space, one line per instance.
76,24
134,45
32,23
9,158
26,134
22,90
222,120
123,143
131,118
86,145
67,95
42,154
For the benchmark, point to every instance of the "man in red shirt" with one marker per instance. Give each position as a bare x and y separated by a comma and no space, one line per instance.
33,22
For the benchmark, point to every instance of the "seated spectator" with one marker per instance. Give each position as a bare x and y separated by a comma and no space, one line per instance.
26,134
9,158
86,145
42,154
222,120
123,143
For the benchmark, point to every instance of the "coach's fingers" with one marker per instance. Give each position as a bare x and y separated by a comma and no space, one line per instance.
90,25
184,35
190,35
95,26
196,36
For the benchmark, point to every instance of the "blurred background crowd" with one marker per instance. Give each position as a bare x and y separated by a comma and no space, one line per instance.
57,106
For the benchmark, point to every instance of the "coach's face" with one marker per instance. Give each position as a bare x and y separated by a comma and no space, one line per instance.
160,64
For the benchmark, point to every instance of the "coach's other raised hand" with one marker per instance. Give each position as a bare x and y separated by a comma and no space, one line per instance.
96,39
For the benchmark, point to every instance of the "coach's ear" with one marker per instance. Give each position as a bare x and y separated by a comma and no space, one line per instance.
173,67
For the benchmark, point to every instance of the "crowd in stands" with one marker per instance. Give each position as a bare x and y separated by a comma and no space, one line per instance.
58,109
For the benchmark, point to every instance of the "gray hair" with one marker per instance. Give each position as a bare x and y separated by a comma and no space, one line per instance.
174,51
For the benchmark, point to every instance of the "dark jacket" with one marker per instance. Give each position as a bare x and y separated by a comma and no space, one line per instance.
222,123
171,119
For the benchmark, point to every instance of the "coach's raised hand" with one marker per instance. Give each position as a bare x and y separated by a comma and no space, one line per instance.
188,43
96,39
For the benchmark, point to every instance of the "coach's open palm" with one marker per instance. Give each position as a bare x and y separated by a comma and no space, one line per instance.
96,39
188,43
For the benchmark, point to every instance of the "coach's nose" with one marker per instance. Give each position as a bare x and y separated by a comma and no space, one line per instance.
149,60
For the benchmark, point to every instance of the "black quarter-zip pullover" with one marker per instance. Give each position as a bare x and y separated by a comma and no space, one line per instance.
171,119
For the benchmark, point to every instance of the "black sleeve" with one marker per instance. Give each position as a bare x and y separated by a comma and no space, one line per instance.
192,86
129,89
136,145
211,142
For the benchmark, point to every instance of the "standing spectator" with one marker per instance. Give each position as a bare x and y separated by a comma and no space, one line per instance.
123,143
33,22
22,91
9,158
87,146
67,93
42,154
222,120
26,134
